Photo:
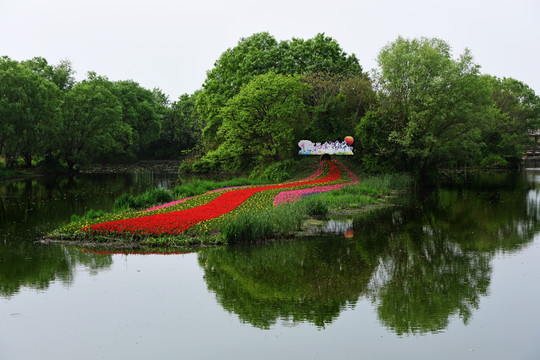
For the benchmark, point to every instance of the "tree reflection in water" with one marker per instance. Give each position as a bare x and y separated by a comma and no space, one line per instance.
289,280
419,264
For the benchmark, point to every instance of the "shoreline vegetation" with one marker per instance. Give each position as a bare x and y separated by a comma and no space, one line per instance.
253,221
422,109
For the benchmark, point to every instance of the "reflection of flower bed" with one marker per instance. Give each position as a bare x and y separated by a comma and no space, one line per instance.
175,218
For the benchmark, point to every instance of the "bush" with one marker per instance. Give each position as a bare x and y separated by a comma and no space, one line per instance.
186,167
494,162
90,214
144,200
278,171
204,166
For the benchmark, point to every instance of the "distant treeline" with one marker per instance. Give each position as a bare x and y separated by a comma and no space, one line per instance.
49,118
420,110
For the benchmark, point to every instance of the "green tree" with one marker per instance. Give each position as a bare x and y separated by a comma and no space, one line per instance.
61,75
260,54
141,111
337,103
321,54
515,113
263,122
92,123
28,112
252,56
180,128
432,105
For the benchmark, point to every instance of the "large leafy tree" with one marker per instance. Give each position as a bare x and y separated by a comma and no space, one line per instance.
180,129
431,105
92,122
262,122
28,112
61,74
321,54
141,111
260,54
337,103
516,112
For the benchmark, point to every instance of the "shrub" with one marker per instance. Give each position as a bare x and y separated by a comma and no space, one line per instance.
278,171
494,161
90,214
144,200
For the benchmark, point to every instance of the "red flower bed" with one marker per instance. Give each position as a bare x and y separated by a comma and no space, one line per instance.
176,222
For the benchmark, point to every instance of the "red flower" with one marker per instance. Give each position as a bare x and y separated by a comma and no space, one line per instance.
176,222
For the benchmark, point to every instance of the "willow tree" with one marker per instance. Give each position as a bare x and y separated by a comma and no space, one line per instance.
91,123
431,105
28,112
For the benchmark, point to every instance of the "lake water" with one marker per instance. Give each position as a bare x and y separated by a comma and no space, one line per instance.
453,274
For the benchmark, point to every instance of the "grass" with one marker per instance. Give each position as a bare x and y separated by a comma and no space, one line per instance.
249,227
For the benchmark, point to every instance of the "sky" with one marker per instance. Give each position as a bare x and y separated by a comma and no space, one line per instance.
171,44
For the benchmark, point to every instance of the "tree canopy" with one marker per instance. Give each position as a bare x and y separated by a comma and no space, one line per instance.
260,54
262,122
420,110
433,110
28,111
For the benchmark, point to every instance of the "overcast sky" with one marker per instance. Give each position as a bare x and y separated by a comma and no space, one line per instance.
171,44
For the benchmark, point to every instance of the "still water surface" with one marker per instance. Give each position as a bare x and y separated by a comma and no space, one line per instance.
454,274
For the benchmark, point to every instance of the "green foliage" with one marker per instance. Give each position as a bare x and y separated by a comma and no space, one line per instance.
494,161
383,184
144,200
29,116
429,111
90,214
92,123
256,226
181,128
373,146
278,172
261,123
430,104
141,111
337,103
61,75
261,54
315,206
515,112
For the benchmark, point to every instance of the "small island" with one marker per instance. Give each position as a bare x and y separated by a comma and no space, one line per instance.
227,215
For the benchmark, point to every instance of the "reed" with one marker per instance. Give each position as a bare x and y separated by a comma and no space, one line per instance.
251,227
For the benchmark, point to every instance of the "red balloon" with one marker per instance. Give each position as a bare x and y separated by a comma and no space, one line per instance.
349,140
